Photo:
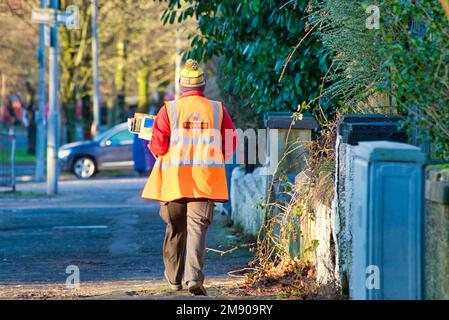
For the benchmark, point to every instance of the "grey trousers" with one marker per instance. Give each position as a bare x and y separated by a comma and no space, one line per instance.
185,238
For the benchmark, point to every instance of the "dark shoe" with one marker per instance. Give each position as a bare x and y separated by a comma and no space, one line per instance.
196,288
173,287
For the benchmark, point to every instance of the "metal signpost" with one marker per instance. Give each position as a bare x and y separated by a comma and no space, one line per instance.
44,41
53,112
52,18
95,53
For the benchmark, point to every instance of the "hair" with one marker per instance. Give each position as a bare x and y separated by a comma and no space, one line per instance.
185,89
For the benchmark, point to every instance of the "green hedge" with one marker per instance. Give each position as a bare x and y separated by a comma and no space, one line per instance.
406,60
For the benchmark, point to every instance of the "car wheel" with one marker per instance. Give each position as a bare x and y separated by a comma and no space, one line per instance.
84,167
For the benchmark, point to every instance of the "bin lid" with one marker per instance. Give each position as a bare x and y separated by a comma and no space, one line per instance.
283,120
354,128
353,133
389,151
375,117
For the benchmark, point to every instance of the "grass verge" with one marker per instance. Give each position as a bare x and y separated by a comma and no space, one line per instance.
22,194
22,156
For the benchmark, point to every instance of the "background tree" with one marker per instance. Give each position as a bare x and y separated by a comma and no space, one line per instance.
75,61
138,52
18,43
137,56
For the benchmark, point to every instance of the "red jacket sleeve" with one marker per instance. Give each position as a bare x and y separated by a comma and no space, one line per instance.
228,136
160,140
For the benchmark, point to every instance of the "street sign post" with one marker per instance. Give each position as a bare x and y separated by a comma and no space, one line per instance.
50,19
53,113
95,62
47,36
44,41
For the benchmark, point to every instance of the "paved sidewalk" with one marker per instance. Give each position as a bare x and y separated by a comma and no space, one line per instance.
104,228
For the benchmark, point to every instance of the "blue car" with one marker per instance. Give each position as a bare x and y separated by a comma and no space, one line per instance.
112,150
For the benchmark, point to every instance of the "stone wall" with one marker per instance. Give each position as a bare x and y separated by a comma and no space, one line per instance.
437,235
353,129
332,226
317,227
247,192
325,252
342,206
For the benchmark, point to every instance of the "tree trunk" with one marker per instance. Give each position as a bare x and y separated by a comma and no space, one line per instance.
111,105
31,134
76,67
87,117
68,83
143,78
120,79
30,108
70,109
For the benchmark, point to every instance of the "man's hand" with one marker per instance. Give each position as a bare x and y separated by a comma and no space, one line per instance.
149,148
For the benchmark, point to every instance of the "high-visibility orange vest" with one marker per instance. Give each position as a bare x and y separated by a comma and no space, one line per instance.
193,167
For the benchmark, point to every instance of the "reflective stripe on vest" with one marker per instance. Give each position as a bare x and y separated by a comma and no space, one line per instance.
188,163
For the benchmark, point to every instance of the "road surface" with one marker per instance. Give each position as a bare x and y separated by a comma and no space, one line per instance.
102,227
